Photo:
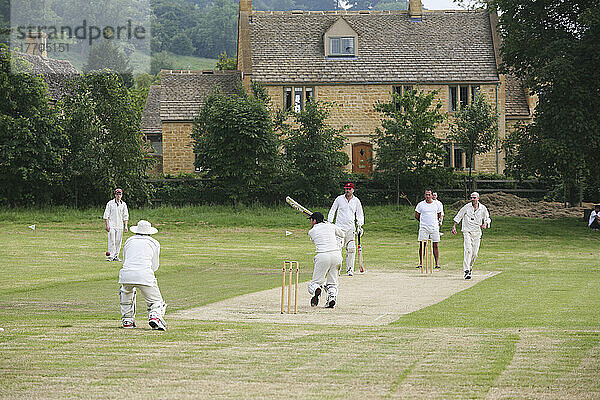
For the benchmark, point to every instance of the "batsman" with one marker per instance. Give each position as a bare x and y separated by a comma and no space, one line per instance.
349,211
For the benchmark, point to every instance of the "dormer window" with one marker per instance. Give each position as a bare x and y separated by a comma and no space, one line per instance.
341,40
341,46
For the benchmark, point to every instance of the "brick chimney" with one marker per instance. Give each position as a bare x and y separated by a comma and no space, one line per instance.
244,50
415,10
35,43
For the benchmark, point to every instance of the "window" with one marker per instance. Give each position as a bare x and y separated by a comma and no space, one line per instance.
455,156
309,92
298,105
294,98
464,96
469,162
340,40
287,98
453,101
401,90
461,95
458,158
155,140
448,156
474,92
341,46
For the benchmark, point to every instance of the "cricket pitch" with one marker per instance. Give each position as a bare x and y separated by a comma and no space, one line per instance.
373,298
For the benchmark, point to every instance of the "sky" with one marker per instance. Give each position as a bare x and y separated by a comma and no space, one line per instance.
440,5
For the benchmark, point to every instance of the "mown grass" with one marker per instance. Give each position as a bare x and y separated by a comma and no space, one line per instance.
530,332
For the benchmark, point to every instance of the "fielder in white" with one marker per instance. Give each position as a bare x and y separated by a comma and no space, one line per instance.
474,217
327,260
429,212
434,196
349,210
594,221
115,215
140,259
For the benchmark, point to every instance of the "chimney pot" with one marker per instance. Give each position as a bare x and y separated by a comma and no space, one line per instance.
415,10
35,43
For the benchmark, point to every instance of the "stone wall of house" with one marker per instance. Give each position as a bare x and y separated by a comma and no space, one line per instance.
178,153
354,106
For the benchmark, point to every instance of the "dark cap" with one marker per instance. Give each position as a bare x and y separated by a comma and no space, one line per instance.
596,205
317,216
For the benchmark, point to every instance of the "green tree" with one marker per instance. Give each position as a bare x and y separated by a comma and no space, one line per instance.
32,143
104,55
5,21
226,63
407,150
554,46
182,44
102,119
235,146
313,153
160,61
475,129
220,25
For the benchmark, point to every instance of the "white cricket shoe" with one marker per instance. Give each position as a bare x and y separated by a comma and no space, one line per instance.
330,302
314,301
128,323
157,324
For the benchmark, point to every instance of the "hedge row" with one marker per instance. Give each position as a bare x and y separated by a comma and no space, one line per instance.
374,190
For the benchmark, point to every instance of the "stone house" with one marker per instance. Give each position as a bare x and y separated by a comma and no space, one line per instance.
170,110
353,59
56,73
357,58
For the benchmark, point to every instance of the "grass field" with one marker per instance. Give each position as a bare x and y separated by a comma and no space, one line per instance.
530,332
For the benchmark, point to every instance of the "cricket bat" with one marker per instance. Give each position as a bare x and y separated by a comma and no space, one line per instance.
361,267
298,206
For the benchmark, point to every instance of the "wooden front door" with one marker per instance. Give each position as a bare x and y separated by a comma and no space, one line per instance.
362,157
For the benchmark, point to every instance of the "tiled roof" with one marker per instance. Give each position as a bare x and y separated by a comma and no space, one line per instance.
183,92
447,46
151,115
56,73
516,102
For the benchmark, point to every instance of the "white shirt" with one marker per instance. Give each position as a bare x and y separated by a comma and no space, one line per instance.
140,260
472,219
429,214
592,217
324,237
116,214
346,210
441,206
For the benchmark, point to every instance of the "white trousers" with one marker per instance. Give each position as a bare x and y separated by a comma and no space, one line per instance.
115,237
326,271
350,245
152,296
471,245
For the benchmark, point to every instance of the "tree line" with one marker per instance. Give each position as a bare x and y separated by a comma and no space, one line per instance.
74,152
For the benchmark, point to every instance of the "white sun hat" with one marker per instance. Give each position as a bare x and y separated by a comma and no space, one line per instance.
143,228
